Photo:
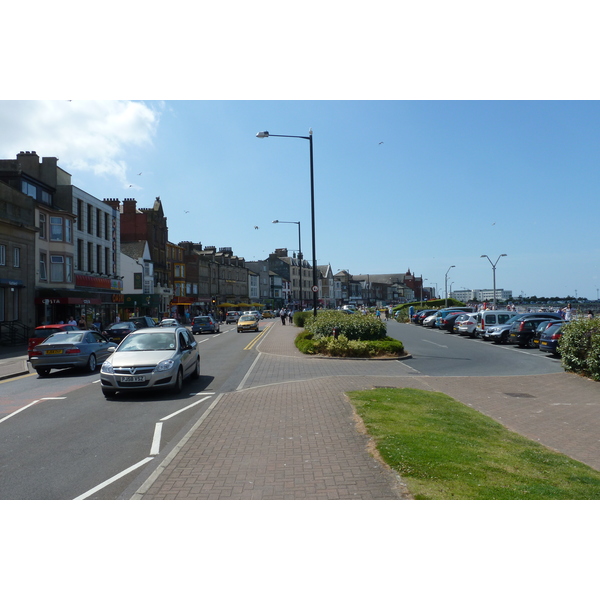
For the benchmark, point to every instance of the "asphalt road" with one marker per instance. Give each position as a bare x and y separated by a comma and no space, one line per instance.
64,440
438,353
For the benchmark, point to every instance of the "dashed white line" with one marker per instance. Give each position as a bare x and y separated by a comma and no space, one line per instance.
18,411
155,448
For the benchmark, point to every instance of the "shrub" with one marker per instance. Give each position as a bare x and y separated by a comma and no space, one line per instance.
342,346
353,327
579,347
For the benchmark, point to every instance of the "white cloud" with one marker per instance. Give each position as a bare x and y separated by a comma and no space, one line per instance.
85,135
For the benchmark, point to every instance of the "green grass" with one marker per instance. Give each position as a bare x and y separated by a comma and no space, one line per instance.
445,450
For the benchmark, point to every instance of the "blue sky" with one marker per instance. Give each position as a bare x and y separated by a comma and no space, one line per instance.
399,185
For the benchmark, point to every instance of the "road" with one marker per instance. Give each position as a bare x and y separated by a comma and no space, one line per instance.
438,353
61,439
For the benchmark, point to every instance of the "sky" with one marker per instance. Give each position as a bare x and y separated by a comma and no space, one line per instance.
398,184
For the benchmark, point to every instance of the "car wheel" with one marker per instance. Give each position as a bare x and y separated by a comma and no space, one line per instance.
178,387
108,393
43,372
92,364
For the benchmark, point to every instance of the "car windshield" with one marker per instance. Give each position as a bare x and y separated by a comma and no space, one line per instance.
125,325
148,341
247,318
65,337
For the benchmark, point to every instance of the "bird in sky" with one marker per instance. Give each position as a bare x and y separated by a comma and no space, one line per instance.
186,211
139,173
256,227
380,143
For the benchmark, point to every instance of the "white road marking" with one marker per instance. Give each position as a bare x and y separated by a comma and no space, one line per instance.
185,408
18,411
155,449
113,479
56,398
430,342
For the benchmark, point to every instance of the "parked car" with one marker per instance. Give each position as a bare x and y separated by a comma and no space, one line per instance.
467,325
143,321
429,320
267,314
447,322
535,342
247,323
550,337
81,349
117,332
499,333
157,358
205,324
43,331
460,318
442,314
232,316
491,318
420,316
169,323
523,329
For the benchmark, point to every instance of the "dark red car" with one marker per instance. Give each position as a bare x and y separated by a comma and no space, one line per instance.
43,331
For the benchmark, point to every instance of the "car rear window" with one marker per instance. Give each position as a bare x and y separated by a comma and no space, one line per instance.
65,337
47,331
201,320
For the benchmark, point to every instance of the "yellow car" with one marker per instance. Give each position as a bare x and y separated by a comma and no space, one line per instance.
247,323
267,314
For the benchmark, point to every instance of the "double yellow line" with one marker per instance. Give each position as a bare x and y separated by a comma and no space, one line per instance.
255,340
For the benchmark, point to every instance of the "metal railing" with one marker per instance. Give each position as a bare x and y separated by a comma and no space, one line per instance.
13,333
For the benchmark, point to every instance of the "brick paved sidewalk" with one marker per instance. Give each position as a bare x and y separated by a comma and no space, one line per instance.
291,434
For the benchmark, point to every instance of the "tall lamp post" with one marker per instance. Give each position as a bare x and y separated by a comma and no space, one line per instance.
493,272
299,255
315,287
446,284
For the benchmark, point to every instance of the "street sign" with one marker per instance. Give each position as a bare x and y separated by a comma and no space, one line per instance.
315,288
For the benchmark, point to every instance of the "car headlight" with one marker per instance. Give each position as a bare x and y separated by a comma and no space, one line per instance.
107,368
165,365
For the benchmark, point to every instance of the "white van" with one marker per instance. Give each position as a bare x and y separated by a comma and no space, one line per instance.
489,318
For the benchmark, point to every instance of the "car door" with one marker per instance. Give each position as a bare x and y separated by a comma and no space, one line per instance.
187,352
101,346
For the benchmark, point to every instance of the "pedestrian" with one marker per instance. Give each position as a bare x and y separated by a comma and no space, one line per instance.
291,316
378,314
590,314
282,314
567,312
97,323
81,324
117,319
72,321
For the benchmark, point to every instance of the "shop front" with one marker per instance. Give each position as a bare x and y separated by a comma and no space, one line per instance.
181,308
139,305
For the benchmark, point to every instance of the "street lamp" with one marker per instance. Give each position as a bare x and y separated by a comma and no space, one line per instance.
446,285
493,272
315,287
299,255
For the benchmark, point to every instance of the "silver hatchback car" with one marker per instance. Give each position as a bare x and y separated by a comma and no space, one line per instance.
153,358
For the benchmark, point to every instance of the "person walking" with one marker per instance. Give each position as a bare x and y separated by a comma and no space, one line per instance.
282,314
291,316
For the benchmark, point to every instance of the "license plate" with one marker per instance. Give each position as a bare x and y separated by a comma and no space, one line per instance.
53,351
544,343
132,379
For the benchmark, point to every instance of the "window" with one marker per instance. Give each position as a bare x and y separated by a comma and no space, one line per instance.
42,226
46,197
43,272
29,189
2,255
89,218
106,226
98,222
17,257
80,217
68,231
99,258
90,257
80,255
107,261
57,268
69,269
56,229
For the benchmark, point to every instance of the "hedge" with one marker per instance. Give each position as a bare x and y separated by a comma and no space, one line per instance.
579,347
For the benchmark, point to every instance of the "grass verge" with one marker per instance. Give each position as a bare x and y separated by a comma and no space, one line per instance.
445,450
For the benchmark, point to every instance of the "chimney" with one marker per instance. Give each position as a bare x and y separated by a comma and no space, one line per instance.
129,205
29,162
112,202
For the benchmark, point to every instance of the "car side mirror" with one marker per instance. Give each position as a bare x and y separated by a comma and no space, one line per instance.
111,348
